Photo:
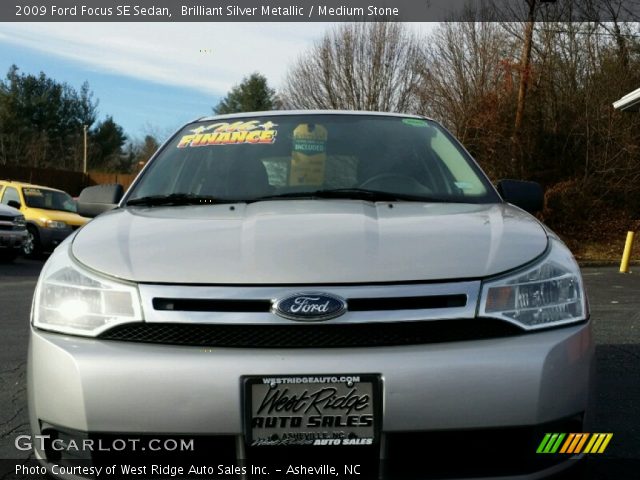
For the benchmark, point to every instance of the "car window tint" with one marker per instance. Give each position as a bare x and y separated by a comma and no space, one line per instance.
462,174
10,194
48,199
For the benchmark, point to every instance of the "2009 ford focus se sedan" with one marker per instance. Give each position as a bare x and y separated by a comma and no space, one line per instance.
329,287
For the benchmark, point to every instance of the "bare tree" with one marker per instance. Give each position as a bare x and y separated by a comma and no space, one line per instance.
359,66
471,84
525,67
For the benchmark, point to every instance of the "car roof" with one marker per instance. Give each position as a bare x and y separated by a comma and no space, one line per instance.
272,113
15,183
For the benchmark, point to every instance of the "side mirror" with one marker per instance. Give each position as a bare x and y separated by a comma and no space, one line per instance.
526,195
14,204
98,199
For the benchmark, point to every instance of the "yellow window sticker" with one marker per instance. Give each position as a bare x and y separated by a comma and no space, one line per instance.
32,192
308,155
222,133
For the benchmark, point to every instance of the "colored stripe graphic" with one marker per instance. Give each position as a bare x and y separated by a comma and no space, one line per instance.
574,443
543,443
550,443
567,443
581,443
555,447
594,437
605,443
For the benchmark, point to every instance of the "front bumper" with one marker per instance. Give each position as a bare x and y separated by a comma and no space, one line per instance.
108,387
12,239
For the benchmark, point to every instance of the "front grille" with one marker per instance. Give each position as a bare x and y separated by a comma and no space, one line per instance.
7,224
407,303
312,335
355,304
210,305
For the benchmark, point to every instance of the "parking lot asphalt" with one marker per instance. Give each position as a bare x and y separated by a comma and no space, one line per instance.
615,310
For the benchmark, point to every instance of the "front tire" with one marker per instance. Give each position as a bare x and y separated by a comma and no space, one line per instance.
32,247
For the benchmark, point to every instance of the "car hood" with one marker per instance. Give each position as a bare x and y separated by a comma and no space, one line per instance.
9,211
309,242
69,218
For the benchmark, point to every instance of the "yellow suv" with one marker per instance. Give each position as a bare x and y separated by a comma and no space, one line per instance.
50,214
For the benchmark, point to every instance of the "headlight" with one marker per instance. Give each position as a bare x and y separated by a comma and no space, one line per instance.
72,300
547,294
19,222
54,224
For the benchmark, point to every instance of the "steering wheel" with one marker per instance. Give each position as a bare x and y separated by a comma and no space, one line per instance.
394,182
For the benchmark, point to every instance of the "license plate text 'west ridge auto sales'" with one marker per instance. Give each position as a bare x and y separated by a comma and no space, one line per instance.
312,410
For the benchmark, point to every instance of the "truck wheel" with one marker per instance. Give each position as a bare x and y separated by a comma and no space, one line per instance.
31,246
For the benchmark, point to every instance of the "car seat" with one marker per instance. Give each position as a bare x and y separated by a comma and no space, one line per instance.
246,179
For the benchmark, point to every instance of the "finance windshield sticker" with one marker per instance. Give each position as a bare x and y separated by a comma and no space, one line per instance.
223,133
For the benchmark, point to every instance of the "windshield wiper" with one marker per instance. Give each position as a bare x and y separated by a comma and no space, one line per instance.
176,199
352,193
348,193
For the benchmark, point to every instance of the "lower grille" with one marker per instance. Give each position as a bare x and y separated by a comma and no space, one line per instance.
313,336
477,453
492,453
11,227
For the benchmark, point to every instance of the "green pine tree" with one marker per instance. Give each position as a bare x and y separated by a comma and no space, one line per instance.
252,95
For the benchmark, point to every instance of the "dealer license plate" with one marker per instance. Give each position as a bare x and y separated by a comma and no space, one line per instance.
315,410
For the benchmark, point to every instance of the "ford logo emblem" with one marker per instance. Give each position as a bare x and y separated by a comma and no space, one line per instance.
310,306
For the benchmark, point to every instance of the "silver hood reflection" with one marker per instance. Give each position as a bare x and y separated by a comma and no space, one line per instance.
309,242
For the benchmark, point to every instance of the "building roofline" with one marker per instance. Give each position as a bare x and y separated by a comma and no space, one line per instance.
630,102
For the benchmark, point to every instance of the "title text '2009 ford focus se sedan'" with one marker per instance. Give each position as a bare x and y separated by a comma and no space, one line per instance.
312,289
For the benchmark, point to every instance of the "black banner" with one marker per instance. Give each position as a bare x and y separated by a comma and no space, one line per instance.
315,11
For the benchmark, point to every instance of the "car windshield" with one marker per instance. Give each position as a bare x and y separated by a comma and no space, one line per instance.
48,199
369,157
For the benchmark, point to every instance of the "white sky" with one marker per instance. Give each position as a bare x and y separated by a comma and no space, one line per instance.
169,53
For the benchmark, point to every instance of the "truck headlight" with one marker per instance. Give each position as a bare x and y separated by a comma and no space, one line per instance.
19,222
70,299
54,224
546,294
